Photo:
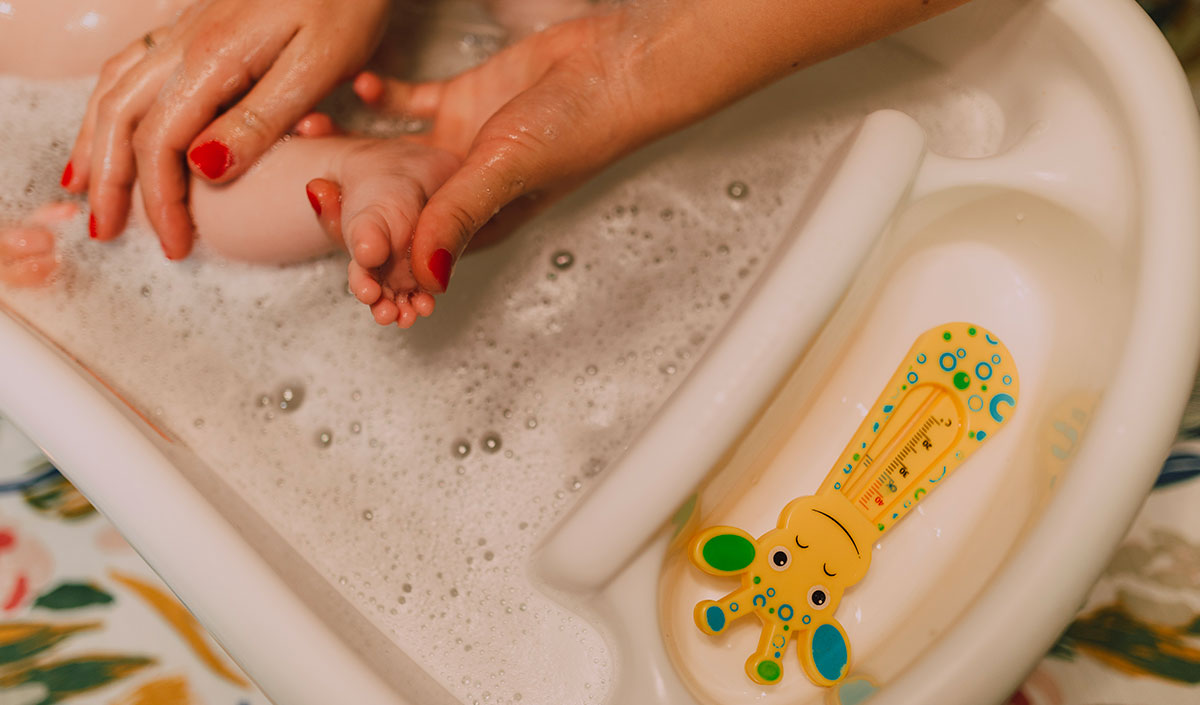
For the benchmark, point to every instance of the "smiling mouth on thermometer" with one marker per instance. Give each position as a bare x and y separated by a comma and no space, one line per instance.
953,390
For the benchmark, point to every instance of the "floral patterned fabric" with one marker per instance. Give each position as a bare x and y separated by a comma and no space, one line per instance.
1137,639
83,620
1180,22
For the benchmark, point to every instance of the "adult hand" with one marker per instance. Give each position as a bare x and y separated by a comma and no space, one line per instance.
535,120
166,95
530,124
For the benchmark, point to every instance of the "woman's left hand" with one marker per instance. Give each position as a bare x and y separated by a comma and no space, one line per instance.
222,84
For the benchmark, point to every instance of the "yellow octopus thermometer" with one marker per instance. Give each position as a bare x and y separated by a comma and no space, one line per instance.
954,390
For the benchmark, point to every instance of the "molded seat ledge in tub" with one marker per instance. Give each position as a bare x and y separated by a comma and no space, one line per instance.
1074,240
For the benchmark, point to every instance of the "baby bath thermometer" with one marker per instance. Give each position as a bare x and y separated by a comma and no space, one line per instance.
953,391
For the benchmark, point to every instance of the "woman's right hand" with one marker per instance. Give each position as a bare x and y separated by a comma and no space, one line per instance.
165,95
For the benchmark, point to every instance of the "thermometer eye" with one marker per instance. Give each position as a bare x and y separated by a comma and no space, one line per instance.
818,597
780,558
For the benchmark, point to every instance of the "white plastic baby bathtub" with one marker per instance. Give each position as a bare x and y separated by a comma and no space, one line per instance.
1058,209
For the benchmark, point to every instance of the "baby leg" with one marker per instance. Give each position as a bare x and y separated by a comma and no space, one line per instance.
262,217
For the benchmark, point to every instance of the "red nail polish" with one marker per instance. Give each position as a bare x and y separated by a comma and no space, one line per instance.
439,265
67,174
92,226
212,159
312,199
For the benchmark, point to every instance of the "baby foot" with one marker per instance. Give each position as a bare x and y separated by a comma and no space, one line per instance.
372,202
530,124
27,252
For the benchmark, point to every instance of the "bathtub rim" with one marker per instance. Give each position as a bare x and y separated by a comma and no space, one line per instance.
1009,627
150,495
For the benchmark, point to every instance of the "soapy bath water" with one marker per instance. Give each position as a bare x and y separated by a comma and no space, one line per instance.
418,470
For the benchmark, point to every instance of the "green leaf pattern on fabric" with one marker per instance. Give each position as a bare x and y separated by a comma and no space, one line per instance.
69,596
65,678
56,496
22,640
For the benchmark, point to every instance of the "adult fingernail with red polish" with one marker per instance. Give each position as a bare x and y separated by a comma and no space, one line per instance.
439,266
68,173
312,199
92,226
212,159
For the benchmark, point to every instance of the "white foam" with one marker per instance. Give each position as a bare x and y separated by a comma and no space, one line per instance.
563,365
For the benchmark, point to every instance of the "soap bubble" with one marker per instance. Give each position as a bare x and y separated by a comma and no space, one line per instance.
562,260
290,396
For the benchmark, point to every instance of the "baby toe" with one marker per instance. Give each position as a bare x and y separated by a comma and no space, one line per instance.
364,286
408,314
368,87
422,302
315,124
386,312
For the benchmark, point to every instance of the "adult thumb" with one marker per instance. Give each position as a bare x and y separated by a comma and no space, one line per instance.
490,178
